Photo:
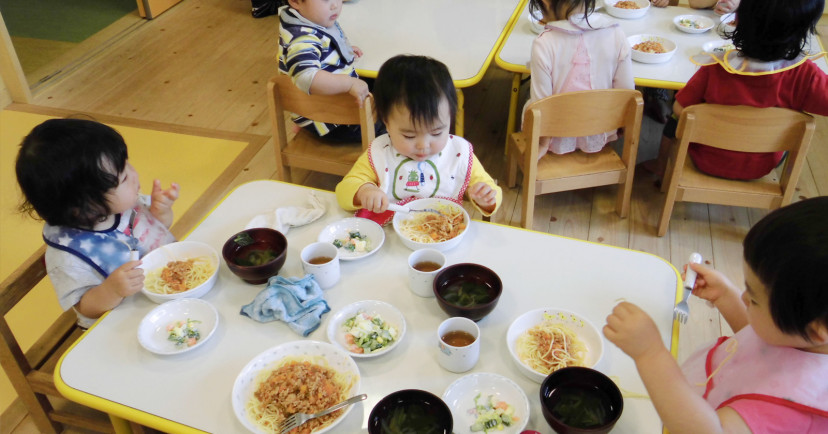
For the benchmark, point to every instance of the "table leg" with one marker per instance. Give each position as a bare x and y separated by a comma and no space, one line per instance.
459,121
122,426
513,100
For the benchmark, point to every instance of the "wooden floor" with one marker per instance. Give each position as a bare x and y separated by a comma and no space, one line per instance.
205,64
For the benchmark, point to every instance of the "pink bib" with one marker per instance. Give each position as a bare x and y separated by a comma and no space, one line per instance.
745,367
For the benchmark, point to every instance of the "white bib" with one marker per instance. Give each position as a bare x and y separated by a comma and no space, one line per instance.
445,174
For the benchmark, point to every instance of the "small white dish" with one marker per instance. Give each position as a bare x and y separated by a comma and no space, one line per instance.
248,379
585,330
629,14
644,57
459,396
717,46
388,313
339,230
535,24
180,251
728,22
693,23
152,331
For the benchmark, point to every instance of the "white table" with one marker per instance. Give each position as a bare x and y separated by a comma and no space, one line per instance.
463,34
108,369
515,52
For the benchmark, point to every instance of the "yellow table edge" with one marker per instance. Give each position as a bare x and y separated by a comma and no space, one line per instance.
126,412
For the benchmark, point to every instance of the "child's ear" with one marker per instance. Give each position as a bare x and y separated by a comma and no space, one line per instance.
818,332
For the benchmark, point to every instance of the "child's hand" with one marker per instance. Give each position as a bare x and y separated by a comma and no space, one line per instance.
357,51
632,330
359,89
660,3
484,196
370,197
126,279
711,284
162,201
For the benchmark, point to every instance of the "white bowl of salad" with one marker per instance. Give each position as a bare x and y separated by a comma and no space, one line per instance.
178,326
355,237
367,328
484,402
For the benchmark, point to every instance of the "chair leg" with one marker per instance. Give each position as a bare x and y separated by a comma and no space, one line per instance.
283,173
667,210
528,207
511,166
622,202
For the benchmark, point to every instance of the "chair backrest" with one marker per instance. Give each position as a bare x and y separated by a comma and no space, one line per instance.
744,128
306,150
584,113
336,109
577,114
749,129
741,129
31,373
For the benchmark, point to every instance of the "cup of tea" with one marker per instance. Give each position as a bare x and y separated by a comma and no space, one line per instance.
423,265
458,341
321,259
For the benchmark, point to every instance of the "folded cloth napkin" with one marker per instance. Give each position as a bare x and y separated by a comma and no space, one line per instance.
285,217
297,301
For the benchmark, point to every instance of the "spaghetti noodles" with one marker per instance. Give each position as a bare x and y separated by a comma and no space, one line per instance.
627,4
297,384
179,276
431,227
550,346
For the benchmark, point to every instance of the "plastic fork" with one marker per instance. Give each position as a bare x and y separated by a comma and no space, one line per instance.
297,419
682,311
406,209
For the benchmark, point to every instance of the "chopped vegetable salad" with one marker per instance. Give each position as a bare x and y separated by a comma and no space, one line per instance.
355,242
366,334
184,333
492,415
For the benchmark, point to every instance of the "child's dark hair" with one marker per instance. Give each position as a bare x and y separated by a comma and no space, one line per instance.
65,167
774,30
788,251
418,83
561,8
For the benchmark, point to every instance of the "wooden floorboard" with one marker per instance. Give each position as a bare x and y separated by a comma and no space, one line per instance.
205,64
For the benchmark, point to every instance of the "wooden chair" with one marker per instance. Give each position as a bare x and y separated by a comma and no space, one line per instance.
576,114
305,150
31,373
736,128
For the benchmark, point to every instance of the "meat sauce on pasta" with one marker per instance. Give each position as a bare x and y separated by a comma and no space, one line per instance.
297,386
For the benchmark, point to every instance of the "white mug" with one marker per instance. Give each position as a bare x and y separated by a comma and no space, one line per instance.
458,357
325,273
422,282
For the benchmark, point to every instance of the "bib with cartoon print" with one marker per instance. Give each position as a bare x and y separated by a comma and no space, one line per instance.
445,174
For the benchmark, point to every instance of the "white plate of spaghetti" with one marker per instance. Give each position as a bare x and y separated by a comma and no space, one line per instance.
542,341
290,377
422,229
178,326
185,269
